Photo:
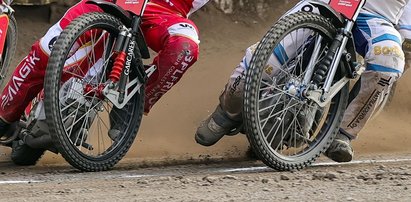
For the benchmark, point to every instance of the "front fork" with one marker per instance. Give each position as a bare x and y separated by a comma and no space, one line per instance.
127,54
329,65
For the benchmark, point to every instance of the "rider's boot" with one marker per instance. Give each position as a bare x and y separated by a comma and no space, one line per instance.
215,127
227,117
117,117
340,149
4,129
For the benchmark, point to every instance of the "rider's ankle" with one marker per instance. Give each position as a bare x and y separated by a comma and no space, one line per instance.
345,134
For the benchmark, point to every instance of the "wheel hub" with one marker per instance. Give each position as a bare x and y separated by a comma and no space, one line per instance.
295,88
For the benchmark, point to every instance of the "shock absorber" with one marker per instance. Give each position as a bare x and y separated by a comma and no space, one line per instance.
120,55
322,67
118,67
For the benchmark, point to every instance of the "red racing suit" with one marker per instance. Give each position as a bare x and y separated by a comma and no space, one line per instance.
166,27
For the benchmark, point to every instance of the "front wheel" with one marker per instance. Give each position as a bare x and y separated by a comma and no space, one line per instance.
9,50
286,129
88,130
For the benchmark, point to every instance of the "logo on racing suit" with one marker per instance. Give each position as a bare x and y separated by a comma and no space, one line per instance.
174,73
169,2
129,58
370,103
52,42
367,108
18,80
132,2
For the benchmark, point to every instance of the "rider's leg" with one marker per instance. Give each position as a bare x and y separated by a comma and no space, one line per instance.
228,113
27,79
227,117
176,40
380,44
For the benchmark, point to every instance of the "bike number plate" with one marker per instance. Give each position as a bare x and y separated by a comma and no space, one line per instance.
135,6
346,7
4,24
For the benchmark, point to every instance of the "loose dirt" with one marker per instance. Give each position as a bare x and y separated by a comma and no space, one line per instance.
243,181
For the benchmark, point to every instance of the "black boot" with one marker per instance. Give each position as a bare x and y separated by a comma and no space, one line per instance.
340,149
215,127
5,129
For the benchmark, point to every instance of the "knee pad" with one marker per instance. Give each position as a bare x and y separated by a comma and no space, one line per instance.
386,57
173,61
184,47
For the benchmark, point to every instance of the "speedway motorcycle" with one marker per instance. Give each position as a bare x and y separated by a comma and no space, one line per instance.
92,103
293,107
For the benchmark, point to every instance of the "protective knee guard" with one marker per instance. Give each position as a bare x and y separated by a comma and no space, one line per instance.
172,62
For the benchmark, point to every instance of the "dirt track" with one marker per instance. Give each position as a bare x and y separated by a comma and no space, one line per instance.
167,135
245,181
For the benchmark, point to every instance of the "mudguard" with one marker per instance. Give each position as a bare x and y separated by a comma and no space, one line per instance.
114,10
338,20
126,18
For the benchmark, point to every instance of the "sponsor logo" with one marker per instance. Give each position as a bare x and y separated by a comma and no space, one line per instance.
186,25
169,2
384,82
307,8
18,79
129,57
52,42
389,51
367,108
175,72
236,83
132,2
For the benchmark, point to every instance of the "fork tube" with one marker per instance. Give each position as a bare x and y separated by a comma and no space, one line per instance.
314,57
330,77
129,49
124,75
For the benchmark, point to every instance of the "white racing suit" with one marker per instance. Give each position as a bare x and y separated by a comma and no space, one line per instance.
377,40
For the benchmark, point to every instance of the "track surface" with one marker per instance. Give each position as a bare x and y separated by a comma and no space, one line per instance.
367,179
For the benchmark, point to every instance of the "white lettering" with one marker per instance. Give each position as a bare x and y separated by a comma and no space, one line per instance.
17,80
